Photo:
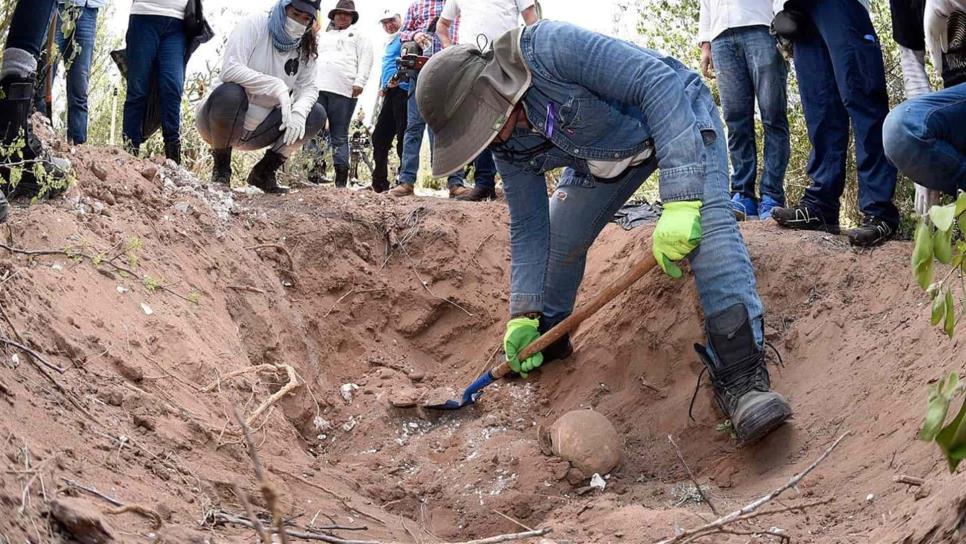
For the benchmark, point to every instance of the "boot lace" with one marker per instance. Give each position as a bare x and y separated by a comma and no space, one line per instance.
740,379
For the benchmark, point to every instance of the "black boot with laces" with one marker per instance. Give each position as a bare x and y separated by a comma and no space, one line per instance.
736,365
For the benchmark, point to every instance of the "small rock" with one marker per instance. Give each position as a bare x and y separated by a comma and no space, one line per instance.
870,497
98,170
417,375
144,422
597,482
149,171
114,398
121,289
82,521
346,391
146,309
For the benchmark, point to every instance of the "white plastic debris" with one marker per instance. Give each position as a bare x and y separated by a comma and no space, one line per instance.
346,391
57,266
597,482
146,309
15,360
349,425
870,497
121,289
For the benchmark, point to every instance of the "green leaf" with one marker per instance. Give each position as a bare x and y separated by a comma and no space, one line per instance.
943,216
922,255
952,439
939,309
949,326
961,204
943,246
937,407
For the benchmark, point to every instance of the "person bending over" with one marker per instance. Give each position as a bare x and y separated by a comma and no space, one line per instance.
266,94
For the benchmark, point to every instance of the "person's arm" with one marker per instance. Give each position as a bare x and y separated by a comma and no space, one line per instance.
914,77
644,82
410,25
442,31
364,49
306,92
704,22
234,68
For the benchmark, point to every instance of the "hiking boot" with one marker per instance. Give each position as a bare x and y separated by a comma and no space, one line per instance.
15,101
221,167
402,190
263,174
456,191
736,365
477,194
745,208
172,150
803,218
341,176
871,232
766,206
561,349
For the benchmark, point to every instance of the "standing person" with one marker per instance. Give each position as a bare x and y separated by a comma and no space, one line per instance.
18,79
419,26
841,77
345,60
266,94
76,47
738,49
652,113
392,115
156,46
484,20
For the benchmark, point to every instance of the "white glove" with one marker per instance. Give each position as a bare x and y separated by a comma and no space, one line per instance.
295,129
925,198
285,105
936,27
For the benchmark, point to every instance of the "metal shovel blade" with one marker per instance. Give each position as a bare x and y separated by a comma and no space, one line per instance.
470,395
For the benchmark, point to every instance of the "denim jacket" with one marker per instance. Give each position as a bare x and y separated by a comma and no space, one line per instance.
96,4
598,98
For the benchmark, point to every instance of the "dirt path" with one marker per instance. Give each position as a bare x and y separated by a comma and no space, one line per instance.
166,288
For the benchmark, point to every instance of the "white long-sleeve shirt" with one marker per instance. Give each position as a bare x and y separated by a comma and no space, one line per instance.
252,61
780,4
164,8
716,16
345,60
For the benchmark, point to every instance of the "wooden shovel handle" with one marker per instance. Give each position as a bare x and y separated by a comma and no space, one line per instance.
575,319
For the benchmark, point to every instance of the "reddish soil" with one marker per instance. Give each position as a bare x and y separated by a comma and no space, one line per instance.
403,298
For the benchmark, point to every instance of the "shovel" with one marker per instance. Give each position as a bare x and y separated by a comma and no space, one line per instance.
473,392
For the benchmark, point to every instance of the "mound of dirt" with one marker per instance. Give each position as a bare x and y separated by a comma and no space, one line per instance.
166,304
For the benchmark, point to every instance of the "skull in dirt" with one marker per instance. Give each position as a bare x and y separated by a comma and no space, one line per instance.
587,440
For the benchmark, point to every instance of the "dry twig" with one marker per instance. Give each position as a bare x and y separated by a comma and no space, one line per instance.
267,489
694,480
745,512
39,358
908,480
122,508
246,288
293,382
250,512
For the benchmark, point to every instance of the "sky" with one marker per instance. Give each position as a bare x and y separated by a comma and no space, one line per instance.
224,14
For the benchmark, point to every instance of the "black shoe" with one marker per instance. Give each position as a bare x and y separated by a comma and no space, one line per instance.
341,176
15,104
221,167
561,349
263,174
736,365
802,217
872,232
172,150
477,194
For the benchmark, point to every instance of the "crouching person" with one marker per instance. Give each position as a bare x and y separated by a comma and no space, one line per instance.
538,106
266,94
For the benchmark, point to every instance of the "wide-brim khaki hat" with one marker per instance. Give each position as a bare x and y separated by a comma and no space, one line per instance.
466,96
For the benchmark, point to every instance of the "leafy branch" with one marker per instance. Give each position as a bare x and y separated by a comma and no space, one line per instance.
936,241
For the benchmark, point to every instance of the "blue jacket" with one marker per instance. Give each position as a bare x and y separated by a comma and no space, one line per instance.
83,3
393,49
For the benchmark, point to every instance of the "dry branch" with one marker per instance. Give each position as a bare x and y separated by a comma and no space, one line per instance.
122,508
33,354
250,512
908,480
751,508
293,382
694,480
267,489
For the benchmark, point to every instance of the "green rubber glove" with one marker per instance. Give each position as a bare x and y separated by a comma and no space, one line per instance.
677,233
520,333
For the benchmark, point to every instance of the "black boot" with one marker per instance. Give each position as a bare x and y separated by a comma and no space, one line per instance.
341,176
172,150
477,194
263,174
15,103
221,169
742,388
561,349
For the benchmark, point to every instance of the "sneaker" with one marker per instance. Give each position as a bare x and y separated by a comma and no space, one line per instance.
745,208
742,387
476,194
456,191
766,206
402,190
871,232
803,218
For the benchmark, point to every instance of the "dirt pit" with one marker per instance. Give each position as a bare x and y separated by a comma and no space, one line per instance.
167,303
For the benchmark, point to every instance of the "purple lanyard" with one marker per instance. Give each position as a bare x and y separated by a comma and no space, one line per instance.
551,118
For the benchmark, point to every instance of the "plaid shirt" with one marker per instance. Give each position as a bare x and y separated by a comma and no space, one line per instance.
418,18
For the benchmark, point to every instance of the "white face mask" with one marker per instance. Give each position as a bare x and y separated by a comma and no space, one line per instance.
294,28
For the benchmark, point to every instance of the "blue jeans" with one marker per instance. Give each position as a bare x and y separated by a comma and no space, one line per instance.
841,77
549,245
155,48
413,142
748,65
29,24
485,172
78,63
339,110
925,139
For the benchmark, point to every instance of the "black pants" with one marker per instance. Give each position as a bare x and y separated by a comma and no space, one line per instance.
391,123
28,27
221,123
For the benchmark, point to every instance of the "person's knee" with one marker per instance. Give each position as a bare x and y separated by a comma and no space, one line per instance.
902,138
315,121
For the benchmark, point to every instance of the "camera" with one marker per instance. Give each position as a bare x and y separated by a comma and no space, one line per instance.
410,62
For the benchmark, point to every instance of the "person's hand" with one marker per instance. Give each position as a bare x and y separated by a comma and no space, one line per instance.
422,39
925,198
707,63
677,233
356,91
381,93
295,129
285,106
936,27
520,333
